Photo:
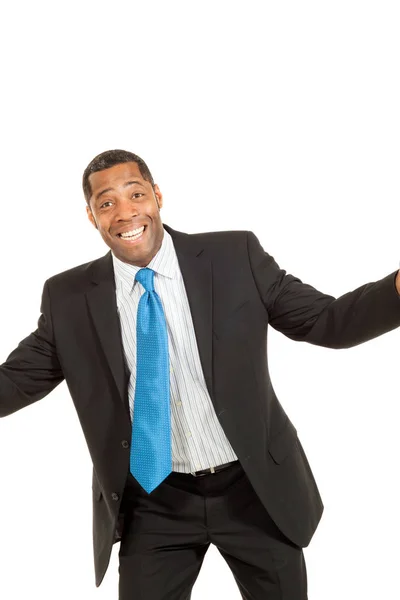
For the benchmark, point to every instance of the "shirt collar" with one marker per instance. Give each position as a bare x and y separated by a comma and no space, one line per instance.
164,263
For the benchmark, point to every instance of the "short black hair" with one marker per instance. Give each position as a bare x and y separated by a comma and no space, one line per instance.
108,159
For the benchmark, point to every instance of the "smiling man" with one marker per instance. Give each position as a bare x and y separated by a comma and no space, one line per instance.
110,194
163,345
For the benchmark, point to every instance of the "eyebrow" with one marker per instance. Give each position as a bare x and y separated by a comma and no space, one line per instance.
127,184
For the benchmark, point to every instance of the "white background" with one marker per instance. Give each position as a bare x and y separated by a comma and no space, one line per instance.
277,117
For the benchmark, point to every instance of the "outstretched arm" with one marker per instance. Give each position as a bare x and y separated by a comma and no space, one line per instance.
304,314
32,370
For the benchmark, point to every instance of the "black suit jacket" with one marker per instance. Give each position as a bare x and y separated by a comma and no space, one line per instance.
235,290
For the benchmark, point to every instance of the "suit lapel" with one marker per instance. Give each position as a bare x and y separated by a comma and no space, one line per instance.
196,271
102,304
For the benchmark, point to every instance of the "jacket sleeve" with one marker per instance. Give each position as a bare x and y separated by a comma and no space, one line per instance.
304,314
32,370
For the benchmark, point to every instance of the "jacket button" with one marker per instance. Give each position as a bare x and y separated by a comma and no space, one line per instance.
125,444
114,496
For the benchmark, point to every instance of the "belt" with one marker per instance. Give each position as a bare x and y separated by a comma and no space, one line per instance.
213,469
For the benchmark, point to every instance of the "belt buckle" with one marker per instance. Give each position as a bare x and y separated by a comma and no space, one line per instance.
212,470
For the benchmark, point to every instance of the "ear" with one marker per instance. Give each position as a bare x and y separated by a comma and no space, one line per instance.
91,217
158,195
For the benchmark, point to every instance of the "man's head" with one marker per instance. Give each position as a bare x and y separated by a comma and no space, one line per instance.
121,196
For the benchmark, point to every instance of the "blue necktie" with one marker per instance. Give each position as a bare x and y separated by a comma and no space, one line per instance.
150,459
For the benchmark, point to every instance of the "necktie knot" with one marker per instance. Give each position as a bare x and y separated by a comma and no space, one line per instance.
146,278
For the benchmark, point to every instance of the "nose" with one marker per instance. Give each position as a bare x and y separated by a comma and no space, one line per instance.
126,210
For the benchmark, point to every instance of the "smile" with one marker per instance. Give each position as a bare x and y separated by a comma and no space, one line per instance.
132,236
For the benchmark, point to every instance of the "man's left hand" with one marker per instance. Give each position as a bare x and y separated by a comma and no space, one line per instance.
398,282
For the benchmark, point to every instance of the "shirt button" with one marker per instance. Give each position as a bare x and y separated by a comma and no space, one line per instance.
114,496
178,403
125,444
188,433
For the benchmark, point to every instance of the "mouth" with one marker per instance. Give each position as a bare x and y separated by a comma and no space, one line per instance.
132,237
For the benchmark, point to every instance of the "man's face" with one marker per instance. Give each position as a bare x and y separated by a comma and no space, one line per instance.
121,202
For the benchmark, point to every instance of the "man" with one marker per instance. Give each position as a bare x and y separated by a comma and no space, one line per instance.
163,345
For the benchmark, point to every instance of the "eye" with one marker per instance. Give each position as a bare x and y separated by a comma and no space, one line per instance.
108,202
137,194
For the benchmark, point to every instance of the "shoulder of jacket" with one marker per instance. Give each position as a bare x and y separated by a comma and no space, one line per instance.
75,274
221,236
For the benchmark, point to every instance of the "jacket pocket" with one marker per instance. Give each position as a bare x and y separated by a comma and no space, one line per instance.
281,444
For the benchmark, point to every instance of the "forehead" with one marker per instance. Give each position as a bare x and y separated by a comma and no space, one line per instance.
114,177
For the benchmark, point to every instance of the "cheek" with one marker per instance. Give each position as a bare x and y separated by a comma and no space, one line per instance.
101,225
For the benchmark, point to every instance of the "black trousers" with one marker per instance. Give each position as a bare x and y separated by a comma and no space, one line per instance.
168,532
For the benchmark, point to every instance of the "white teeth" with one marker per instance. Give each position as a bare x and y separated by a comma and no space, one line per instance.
133,232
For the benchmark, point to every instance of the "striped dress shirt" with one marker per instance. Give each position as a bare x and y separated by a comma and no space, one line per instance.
198,440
